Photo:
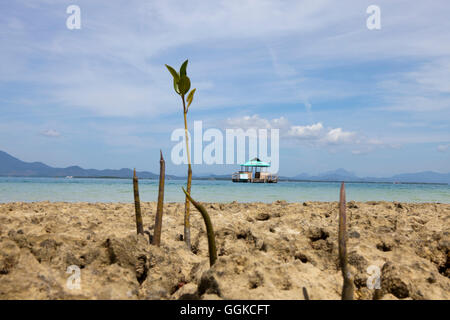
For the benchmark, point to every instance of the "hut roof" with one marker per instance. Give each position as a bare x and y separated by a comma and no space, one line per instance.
255,162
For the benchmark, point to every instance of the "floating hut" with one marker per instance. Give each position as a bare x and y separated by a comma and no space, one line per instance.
254,171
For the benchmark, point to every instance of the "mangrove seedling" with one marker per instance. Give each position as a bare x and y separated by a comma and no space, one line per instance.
209,229
159,208
137,205
182,84
347,289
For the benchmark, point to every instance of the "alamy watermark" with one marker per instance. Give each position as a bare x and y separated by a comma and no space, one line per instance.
234,149
74,20
74,280
374,281
373,22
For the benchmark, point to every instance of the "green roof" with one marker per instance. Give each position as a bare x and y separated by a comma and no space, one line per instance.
255,162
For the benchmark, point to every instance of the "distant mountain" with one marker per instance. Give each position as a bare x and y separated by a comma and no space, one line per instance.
344,175
13,167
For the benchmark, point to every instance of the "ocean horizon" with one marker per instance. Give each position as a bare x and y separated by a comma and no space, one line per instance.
15,189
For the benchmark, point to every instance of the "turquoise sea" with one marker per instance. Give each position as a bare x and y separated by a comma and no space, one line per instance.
121,190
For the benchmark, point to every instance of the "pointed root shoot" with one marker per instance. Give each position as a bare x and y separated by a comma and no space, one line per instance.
347,290
137,205
209,229
160,207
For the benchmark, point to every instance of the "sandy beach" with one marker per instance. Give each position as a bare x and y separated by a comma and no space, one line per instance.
266,251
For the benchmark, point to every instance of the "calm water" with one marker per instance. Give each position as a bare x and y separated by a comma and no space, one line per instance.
121,190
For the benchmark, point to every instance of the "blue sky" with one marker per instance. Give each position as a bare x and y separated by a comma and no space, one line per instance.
375,102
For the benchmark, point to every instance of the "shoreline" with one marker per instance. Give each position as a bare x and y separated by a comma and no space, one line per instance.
265,251
369,202
282,179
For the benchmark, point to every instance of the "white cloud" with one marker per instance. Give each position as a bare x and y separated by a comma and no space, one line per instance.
338,136
255,121
315,134
50,133
313,131
318,134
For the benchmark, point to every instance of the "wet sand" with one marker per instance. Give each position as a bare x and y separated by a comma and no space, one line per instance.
265,251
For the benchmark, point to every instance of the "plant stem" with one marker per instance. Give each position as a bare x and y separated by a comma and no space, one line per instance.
137,205
347,289
160,207
209,230
187,227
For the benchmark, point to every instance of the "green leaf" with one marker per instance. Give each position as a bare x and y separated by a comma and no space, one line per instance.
190,97
183,68
175,86
184,85
175,75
